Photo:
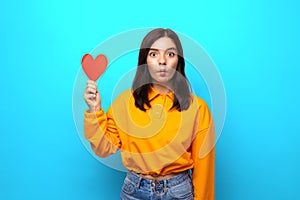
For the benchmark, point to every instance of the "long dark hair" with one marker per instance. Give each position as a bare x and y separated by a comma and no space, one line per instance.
143,81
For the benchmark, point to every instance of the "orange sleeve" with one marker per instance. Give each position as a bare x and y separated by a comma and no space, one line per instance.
203,155
101,131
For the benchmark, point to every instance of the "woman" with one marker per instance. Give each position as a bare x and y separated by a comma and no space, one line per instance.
159,126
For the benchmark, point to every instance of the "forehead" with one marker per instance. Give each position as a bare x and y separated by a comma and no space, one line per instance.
163,43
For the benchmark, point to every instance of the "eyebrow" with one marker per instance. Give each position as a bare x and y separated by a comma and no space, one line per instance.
168,49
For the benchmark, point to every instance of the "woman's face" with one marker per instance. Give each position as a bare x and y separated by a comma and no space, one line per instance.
162,60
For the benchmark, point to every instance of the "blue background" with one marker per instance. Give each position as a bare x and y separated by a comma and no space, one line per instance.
255,45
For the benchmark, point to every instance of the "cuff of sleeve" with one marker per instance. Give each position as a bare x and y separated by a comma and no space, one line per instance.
90,115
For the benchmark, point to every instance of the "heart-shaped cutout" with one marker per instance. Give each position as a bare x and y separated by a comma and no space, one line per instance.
94,68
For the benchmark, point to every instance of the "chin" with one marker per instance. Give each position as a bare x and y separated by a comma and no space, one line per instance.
164,80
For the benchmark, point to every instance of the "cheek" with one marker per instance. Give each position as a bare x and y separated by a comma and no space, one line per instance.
150,60
150,68
174,63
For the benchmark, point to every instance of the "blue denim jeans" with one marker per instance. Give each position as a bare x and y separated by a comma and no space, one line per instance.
138,188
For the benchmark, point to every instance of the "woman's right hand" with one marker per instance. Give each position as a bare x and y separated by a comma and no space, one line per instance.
92,96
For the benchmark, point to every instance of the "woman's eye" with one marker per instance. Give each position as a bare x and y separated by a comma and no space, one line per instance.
152,54
171,54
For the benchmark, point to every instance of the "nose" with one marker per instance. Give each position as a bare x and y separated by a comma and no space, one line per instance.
162,60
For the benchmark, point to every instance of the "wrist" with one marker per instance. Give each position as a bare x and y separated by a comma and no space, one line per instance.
96,108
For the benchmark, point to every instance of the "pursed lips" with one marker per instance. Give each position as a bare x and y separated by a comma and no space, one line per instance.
162,72
162,69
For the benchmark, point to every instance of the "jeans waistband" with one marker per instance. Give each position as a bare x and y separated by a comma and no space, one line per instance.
135,178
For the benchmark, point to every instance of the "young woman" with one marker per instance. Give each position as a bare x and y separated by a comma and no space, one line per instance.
159,126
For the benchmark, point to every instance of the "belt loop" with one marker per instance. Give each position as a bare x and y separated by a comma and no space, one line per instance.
139,182
165,183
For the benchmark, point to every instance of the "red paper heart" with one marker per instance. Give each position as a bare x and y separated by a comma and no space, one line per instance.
94,68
